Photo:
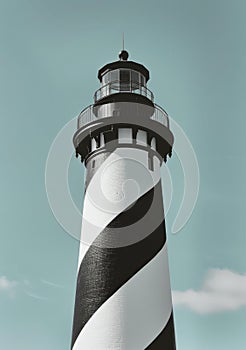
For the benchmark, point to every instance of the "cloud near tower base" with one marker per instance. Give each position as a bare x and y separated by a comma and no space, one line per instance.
222,290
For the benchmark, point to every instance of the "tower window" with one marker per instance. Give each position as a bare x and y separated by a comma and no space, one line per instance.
151,162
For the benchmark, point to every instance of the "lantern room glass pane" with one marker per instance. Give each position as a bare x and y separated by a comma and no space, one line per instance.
124,80
114,75
114,81
134,80
142,79
105,79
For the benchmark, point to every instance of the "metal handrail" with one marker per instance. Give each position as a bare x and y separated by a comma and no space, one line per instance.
87,116
160,115
116,87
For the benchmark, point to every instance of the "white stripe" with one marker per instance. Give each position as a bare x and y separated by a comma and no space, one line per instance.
121,179
135,315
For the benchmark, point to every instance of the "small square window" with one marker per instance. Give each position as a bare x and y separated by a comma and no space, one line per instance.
151,162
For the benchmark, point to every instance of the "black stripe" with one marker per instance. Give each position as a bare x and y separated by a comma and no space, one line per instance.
104,270
166,339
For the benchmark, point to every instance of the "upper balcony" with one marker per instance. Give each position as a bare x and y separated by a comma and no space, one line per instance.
106,111
118,86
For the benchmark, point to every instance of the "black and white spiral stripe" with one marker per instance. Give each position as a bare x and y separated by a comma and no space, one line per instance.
123,297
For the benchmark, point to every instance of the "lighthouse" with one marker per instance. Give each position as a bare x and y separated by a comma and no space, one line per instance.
123,295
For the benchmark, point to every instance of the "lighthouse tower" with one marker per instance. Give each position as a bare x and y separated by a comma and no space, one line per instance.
123,296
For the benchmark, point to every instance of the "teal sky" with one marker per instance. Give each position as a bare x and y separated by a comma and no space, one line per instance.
50,53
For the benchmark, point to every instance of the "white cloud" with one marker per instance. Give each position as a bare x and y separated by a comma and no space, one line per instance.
35,296
52,284
7,285
222,290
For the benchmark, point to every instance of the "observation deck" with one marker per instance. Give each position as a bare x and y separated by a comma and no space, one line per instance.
91,114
